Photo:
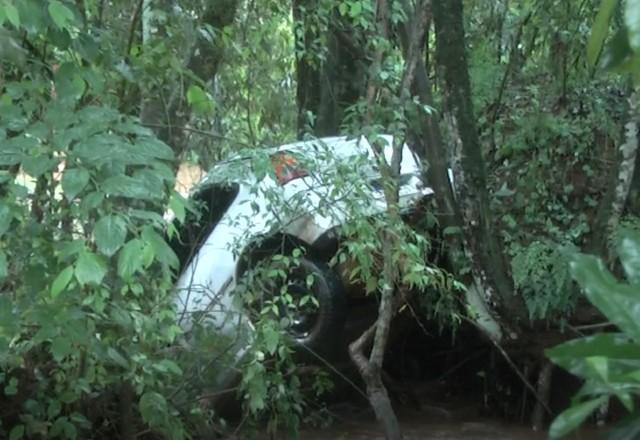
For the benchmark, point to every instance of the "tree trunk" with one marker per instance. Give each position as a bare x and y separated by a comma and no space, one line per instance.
371,369
165,108
626,168
484,245
429,146
330,78
623,178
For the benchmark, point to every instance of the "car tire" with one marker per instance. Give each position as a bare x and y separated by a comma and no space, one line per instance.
318,337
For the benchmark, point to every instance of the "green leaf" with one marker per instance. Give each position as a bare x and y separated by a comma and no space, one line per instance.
600,365
60,14
17,432
177,204
130,258
110,233
11,389
151,147
355,9
90,268
12,14
619,303
73,182
615,55
162,250
60,348
571,418
10,154
452,230
117,358
629,253
632,22
54,408
153,408
199,100
62,428
570,355
91,201
167,365
61,281
271,339
130,187
599,31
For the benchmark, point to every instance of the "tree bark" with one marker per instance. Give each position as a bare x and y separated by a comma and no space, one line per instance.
623,178
165,108
484,246
331,81
428,144
371,369
543,389
626,168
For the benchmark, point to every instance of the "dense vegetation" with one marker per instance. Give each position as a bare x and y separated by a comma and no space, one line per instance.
532,103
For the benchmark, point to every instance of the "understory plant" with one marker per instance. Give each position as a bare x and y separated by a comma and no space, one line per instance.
608,362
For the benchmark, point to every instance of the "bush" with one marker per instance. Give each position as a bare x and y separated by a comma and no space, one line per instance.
85,272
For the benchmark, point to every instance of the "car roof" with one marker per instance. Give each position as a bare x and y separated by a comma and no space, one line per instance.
338,147
340,144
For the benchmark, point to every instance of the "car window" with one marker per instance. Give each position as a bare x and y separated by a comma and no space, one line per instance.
211,203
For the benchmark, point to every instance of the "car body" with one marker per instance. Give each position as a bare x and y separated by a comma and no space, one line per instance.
271,203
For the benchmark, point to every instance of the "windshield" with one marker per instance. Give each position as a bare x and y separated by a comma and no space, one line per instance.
210,203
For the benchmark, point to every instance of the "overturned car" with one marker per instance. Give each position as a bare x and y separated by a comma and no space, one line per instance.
291,202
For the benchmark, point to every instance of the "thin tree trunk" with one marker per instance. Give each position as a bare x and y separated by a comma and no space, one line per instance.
623,175
428,144
543,388
331,81
483,244
628,153
371,369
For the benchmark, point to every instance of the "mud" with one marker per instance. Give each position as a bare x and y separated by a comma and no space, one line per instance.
456,421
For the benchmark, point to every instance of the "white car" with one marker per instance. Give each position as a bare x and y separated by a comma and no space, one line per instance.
272,204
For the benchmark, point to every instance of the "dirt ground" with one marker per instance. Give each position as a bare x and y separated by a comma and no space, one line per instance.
437,423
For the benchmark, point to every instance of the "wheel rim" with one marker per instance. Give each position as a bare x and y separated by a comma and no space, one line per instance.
303,317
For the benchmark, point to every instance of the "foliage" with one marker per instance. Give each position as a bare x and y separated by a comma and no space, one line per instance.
549,128
79,293
85,272
271,385
609,362
541,274
620,53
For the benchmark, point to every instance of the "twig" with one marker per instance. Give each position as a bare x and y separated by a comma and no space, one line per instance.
132,28
505,77
513,366
336,371
578,328
132,32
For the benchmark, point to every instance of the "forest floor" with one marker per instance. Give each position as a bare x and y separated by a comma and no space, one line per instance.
457,420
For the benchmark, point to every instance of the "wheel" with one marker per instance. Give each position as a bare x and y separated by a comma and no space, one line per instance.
316,327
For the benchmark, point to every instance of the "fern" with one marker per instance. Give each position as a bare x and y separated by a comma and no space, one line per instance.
541,275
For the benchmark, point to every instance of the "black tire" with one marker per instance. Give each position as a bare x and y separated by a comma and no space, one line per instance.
320,334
